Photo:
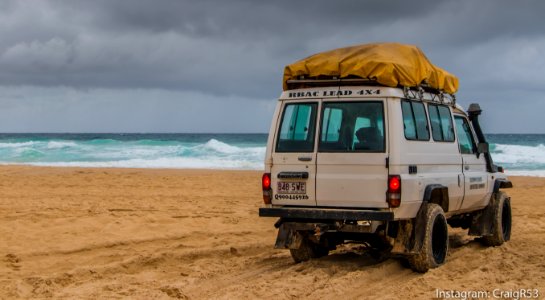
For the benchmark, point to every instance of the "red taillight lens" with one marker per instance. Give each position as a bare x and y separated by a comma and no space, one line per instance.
266,181
394,191
394,183
266,185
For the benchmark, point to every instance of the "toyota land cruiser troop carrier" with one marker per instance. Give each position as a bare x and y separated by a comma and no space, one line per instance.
368,145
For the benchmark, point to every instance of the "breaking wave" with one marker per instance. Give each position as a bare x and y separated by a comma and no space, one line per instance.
212,154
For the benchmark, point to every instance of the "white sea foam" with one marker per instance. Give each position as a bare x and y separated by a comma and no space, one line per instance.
123,152
60,145
516,154
533,173
220,147
212,154
17,145
170,163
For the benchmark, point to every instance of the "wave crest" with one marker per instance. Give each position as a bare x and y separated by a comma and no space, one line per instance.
517,154
60,145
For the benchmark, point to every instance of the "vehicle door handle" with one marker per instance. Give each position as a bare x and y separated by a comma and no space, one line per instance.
304,158
466,167
460,180
293,175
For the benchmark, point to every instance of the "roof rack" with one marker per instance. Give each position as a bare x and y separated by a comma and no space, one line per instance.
330,81
437,96
413,93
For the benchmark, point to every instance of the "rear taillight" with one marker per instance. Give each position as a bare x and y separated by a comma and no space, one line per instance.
266,185
393,197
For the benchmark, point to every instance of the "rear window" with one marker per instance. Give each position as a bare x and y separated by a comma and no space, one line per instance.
352,127
297,128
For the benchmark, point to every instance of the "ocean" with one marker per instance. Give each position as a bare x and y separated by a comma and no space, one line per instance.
519,154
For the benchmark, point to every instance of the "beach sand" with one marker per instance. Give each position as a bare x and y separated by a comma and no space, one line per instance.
196,234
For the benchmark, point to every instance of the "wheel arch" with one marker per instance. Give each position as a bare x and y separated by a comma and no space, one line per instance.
438,194
501,183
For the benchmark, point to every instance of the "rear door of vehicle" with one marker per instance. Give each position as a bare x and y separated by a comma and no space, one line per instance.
474,166
293,172
352,152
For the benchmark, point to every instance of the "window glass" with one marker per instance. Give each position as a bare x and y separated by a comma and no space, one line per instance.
436,131
421,119
415,121
465,138
446,123
408,120
360,123
359,127
297,128
363,122
441,123
332,124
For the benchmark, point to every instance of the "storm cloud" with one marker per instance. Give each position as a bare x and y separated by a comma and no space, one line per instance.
163,65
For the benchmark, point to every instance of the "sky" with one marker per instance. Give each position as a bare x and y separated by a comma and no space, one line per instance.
216,66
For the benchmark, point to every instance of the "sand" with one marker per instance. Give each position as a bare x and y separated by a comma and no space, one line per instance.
141,234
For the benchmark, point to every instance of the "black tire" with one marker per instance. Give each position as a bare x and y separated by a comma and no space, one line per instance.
320,251
501,224
435,245
307,251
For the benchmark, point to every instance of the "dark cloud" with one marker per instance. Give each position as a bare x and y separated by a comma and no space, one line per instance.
174,44
238,48
245,18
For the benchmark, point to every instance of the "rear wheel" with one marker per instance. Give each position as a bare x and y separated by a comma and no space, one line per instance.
501,223
435,245
308,250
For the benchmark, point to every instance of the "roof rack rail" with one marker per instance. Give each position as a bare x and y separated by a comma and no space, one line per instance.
413,93
333,81
437,96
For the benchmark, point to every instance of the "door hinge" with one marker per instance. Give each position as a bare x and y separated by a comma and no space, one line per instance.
387,162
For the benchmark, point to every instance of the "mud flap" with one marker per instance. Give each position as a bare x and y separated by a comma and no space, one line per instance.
410,234
288,238
482,223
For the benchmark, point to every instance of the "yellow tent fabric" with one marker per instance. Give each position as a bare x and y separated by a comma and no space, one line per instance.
389,64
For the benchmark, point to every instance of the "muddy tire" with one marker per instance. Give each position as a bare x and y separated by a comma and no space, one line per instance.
307,251
501,223
435,245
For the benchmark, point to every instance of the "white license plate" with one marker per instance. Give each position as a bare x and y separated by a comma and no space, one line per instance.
292,187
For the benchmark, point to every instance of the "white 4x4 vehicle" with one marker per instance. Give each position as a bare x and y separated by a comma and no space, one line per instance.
387,167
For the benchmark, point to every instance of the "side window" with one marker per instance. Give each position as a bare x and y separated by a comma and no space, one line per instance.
415,121
352,127
465,138
297,128
408,120
441,123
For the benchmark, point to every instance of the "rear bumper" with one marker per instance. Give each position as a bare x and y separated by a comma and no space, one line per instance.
326,214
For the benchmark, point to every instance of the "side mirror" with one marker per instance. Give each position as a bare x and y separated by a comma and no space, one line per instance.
482,148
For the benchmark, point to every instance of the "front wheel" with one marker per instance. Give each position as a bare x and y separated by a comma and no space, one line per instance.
435,245
501,223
